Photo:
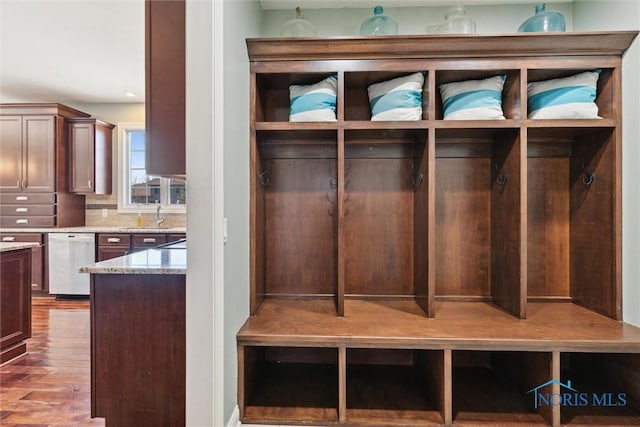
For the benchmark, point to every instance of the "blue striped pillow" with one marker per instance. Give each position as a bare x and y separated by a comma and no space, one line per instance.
473,99
564,98
314,103
397,99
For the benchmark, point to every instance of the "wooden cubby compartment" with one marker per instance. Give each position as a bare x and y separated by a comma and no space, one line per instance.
566,213
491,387
511,97
272,93
296,217
385,213
356,96
395,386
605,91
477,216
290,383
608,385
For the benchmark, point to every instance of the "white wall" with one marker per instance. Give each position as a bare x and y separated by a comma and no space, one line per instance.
411,20
624,15
242,18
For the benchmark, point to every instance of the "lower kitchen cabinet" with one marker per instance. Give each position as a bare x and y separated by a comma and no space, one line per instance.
15,300
138,349
39,270
112,246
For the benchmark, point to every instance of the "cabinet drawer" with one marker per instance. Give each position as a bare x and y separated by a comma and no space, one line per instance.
27,198
148,240
21,237
114,240
27,210
27,221
175,237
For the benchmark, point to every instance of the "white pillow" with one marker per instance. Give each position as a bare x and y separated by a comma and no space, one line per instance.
473,99
564,98
313,103
397,99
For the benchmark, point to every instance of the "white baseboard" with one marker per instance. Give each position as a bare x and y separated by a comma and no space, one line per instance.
234,419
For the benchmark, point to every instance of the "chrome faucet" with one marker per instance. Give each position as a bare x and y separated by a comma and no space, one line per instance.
159,218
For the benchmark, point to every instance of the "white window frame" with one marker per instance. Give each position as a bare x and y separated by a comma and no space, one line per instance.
123,178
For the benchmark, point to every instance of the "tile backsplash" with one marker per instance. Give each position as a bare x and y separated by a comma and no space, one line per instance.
95,204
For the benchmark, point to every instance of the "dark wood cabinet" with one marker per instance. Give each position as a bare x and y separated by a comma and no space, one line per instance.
35,171
15,301
30,142
90,156
431,272
112,246
140,242
138,330
39,272
165,87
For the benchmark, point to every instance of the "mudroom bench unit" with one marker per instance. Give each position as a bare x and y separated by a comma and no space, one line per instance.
437,271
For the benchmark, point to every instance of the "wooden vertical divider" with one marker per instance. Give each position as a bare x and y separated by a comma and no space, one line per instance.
342,384
421,225
555,374
341,243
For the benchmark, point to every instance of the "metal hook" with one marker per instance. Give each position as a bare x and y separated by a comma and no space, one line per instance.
589,176
262,176
502,178
417,178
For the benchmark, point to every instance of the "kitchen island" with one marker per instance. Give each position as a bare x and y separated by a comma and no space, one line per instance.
15,298
138,338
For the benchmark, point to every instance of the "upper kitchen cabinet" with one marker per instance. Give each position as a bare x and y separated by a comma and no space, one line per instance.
34,177
165,87
90,156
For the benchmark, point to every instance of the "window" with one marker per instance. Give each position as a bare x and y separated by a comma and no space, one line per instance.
139,191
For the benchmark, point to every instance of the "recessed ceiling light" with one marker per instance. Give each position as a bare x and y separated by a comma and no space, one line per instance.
130,94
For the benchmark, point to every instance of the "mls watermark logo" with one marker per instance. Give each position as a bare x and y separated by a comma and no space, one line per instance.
569,396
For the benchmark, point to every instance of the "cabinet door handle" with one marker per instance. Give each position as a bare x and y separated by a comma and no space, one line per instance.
149,240
24,184
22,198
89,183
19,184
22,221
9,239
22,209
113,240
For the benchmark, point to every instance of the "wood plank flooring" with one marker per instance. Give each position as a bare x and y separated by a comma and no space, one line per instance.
50,386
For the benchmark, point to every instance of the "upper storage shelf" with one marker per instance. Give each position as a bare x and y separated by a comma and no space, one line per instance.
527,45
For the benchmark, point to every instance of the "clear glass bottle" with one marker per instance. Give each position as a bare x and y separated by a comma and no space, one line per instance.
456,21
379,24
298,27
543,21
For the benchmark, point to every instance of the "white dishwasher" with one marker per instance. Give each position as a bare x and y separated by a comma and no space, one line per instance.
67,253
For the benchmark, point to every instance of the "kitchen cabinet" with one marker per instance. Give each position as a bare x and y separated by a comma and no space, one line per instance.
34,141
140,242
39,272
165,87
15,300
432,272
112,246
90,156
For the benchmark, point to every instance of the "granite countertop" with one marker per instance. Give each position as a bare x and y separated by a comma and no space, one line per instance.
14,246
152,261
96,229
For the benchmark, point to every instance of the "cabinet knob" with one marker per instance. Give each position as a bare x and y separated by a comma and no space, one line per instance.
22,209
22,198
22,221
113,240
9,239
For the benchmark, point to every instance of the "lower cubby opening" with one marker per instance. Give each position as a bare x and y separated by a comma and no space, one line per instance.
491,388
600,389
387,387
290,384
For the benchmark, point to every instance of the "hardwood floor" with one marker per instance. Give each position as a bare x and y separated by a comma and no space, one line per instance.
50,386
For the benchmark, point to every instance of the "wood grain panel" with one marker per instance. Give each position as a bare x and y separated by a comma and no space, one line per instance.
462,226
424,295
379,227
15,295
548,226
300,227
593,250
508,222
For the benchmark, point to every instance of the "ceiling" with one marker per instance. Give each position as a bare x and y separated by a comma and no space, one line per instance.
92,51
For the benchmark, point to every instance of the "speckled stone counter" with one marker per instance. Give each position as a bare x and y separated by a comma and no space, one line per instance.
151,261
12,246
